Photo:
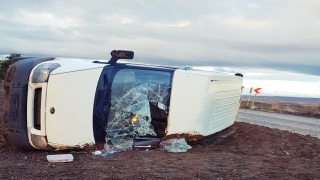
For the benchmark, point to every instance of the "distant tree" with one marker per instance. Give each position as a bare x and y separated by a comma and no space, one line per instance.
5,63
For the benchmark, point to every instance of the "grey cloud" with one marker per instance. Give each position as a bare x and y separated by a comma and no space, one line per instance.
275,48
280,35
302,68
31,34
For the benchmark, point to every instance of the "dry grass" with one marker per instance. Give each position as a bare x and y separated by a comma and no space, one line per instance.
298,108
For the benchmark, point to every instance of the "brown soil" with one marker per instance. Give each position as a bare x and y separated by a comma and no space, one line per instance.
242,151
307,109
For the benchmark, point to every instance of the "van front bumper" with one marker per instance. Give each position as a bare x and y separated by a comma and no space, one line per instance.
15,110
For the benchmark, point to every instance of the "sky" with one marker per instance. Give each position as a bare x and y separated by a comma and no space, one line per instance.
274,82
275,42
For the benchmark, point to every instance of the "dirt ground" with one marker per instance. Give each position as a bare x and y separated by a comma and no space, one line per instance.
306,109
242,151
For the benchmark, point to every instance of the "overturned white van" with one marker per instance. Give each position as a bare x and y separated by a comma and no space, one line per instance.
54,103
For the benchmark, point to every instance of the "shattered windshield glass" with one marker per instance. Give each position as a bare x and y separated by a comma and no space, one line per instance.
133,92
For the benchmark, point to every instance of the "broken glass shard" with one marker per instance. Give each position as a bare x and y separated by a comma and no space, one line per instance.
175,145
130,116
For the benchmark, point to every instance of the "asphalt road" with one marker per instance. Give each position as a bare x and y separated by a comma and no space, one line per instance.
295,124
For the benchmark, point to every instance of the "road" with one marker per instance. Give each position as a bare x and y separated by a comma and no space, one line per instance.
295,124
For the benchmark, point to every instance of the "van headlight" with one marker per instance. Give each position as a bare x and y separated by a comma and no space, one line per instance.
41,73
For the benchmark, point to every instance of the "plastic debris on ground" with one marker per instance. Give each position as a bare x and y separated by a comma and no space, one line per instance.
175,145
105,154
96,152
108,150
60,158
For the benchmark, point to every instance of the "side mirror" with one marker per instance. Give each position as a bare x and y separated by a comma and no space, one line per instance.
120,54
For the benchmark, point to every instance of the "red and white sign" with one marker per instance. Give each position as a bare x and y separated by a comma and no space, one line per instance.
257,90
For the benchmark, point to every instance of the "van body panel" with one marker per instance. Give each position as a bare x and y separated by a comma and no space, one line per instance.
71,97
203,103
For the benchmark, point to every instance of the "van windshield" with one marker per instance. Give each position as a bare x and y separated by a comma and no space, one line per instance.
139,106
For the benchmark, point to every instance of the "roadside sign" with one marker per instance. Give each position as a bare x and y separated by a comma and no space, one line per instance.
257,90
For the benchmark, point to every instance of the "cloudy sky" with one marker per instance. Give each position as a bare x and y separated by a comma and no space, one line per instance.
266,36
275,82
